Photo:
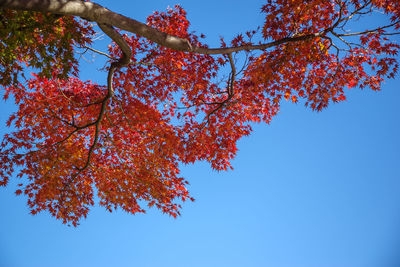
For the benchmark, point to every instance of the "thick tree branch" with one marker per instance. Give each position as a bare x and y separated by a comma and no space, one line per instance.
94,12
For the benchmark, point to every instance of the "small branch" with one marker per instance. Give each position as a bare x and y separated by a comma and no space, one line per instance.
233,75
370,31
123,61
341,39
98,52
230,88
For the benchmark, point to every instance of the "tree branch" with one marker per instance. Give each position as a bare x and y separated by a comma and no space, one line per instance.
123,61
103,16
94,12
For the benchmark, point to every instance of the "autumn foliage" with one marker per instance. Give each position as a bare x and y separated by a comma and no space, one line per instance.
74,140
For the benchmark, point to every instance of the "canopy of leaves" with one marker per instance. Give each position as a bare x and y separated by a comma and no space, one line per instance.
41,41
125,141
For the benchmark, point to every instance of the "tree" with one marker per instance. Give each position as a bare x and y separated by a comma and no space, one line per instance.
169,98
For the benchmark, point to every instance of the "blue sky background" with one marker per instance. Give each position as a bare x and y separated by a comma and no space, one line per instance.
309,190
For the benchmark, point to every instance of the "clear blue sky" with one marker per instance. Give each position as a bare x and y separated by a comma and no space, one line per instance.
308,190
